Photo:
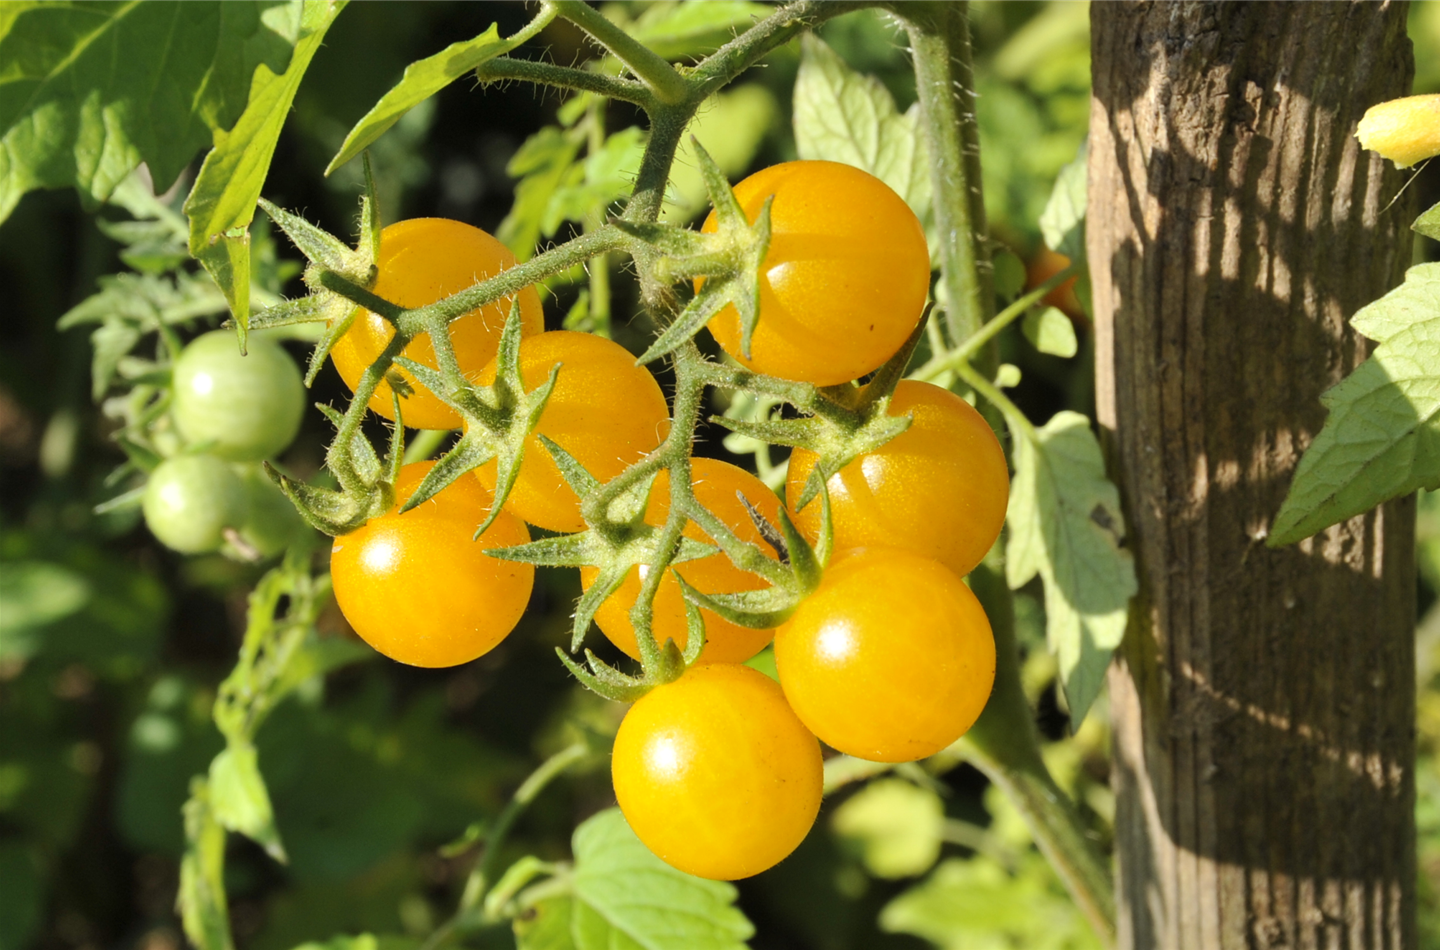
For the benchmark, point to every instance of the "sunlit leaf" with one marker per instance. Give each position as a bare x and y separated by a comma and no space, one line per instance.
1382,437
730,126
682,30
844,116
541,164
1063,221
1066,526
239,798
422,80
1428,223
222,201
91,90
1050,331
898,826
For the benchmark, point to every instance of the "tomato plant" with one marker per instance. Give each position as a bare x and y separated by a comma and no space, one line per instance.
717,486
191,499
417,588
715,774
891,659
939,489
423,260
845,278
239,407
605,411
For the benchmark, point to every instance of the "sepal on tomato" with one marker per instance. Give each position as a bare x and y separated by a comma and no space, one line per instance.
730,260
606,680
498,420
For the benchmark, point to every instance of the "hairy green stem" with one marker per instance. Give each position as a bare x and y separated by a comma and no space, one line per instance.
722,66
669,86
1004,745
940,43
564,77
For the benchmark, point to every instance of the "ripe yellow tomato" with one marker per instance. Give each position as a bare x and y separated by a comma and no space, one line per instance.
939,488
715,774
604,410
423,260
890,659
715,484
844,281
418,589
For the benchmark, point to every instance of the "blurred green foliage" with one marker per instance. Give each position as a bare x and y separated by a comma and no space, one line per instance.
111,649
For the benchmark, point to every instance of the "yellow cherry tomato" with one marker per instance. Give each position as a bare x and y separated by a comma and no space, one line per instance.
418,589
844,281
715,484
604,410
890,659
423,260
715,774
939,488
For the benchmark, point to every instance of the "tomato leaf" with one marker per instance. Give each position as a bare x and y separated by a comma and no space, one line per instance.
899,827
731,127
1063,220
91,90
542,164
1428,223
201,901
845,116
975,902
682,30
1382,437
222,202
239,799
422,79
624,896
1066,526
1050,331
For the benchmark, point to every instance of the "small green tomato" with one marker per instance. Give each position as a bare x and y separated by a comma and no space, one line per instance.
241,408
190,501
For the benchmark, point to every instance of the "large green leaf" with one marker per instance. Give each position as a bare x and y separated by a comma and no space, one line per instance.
1382,438
844,116
1063,220
899,827
1428,223
625,898
1066,526
222,202
422,79
90,90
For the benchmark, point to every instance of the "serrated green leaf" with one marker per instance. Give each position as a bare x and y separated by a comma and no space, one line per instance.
1382,437
898,826
1066,525
222,202
422,79
682,30
975,904
624,897
1050,331
239,798
1063,221
844,116
91,90
1428,223
603,178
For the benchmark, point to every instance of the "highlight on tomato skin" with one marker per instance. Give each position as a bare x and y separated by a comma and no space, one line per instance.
845,279
604,410
940,488
417,588
715,484
715,774
423,260
891,659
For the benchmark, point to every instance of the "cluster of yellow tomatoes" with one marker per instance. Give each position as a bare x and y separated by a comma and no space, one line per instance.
890,658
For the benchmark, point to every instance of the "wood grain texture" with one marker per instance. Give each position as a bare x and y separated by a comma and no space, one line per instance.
1264,699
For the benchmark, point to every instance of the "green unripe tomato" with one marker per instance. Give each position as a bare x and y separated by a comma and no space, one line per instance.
191,500
242,408
271,523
